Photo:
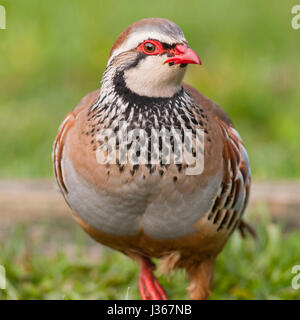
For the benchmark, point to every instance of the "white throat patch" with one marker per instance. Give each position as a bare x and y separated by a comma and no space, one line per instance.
153,78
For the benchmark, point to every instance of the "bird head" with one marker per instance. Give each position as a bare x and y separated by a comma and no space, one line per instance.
150,57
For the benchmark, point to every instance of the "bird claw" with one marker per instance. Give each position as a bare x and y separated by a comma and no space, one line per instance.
150,288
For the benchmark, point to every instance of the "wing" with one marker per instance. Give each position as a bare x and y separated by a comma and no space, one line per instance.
57,152
233,196
58,146
237,173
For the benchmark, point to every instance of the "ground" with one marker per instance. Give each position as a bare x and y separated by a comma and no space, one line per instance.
54,259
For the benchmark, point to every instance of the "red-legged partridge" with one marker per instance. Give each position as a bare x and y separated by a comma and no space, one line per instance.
127,188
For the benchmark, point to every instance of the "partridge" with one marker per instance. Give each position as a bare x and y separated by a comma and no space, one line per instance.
154,204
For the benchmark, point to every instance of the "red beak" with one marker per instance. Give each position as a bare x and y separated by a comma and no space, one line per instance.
184,55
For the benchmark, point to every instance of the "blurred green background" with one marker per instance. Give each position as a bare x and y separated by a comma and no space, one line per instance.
54,52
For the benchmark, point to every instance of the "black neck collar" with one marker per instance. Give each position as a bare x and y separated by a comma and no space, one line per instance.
132,98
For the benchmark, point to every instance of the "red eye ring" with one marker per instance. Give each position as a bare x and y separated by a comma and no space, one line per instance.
151,47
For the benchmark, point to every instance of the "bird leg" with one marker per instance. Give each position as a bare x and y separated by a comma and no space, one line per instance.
201,275
149,287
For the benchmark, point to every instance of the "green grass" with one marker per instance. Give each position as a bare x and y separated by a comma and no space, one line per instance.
246,269
54,52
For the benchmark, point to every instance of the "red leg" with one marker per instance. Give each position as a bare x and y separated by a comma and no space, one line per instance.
150,289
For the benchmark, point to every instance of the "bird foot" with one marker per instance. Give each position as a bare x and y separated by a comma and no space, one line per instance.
149,287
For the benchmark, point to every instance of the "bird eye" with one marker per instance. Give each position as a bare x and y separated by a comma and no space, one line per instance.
149,47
